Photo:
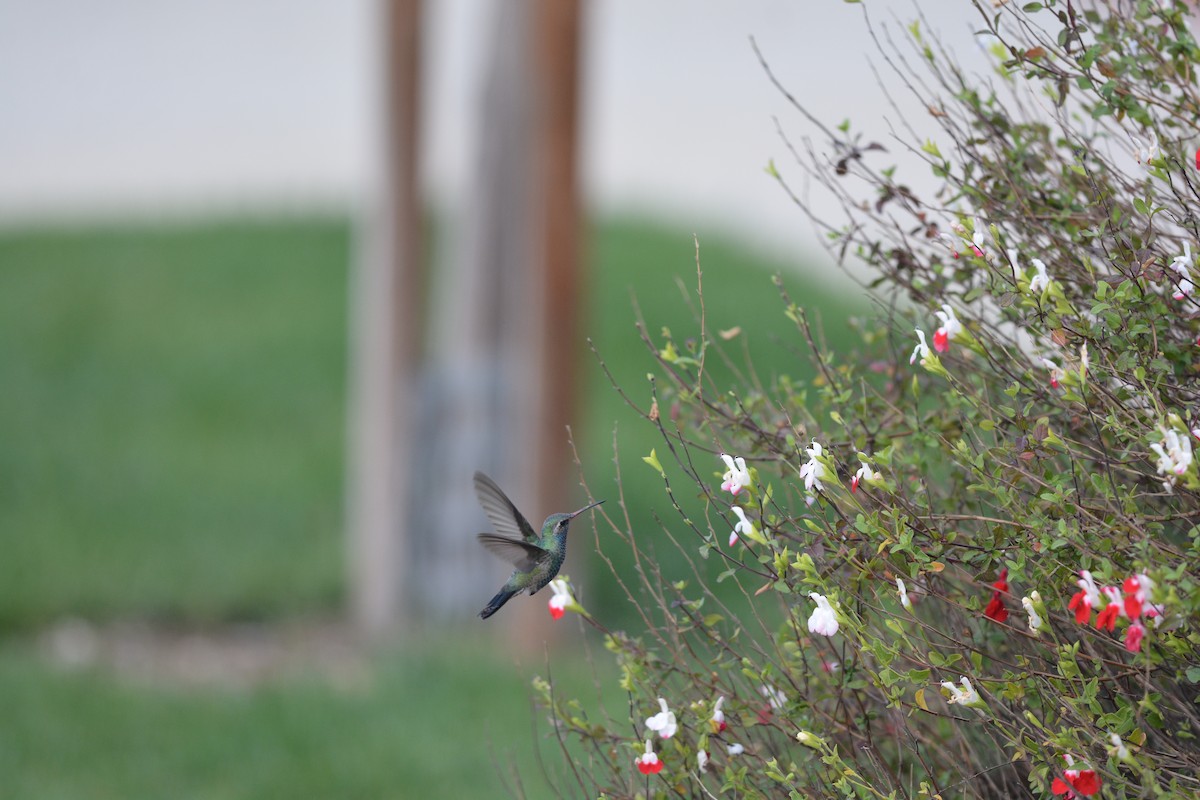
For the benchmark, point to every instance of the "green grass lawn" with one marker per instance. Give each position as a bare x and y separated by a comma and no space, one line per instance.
171,448
154,382
440,719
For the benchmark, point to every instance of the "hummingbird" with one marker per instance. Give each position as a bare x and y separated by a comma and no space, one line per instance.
537,559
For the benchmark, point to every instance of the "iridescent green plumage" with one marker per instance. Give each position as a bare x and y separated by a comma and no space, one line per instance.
536,559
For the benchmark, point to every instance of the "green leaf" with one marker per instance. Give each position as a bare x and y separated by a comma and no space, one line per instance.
652,460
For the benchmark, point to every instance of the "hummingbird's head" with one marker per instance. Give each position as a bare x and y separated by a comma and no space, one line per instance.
559,522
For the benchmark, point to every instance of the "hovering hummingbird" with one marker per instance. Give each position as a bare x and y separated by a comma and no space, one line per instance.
536,559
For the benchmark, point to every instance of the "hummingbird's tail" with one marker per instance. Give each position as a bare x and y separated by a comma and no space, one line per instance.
500,599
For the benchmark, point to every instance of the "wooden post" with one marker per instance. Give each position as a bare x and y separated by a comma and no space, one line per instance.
386,315
557,225
552,274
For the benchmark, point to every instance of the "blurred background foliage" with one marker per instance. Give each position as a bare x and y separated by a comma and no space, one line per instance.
173,441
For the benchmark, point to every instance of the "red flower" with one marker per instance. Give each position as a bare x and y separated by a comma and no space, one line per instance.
1133,637
941,340
1076,782
1081,607
1083,783
1198,158
995,607
1108,617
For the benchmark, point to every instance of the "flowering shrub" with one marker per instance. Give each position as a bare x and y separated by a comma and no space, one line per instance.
949,576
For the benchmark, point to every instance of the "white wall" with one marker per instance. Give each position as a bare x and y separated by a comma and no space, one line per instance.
128,107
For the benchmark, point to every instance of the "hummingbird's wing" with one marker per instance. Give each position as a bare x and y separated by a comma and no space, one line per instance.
501,512
521,554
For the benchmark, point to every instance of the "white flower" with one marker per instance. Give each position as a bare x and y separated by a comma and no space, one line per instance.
717,720
775,698
663,722
1174,455
737,477
903,590
735,749
1041,281
1118,747
966,696
921,350
813,470
562,597
1182,267
1035,620
864,474
1083,361
1144,150
702,761
823,620
950,328
1016,267
744,526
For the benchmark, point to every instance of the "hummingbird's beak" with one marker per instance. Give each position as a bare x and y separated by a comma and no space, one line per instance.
585,508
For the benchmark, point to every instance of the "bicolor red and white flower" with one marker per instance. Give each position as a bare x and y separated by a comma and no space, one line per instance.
950,328
1182,266
648,763
663,723
864,475
737,477
813,470
744,526
702,761
1076,782
966,696
922,350
1137,590
561,599
1087,598
1174,453
903,590
977,240
717,720
1055,372
950,242
823,620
